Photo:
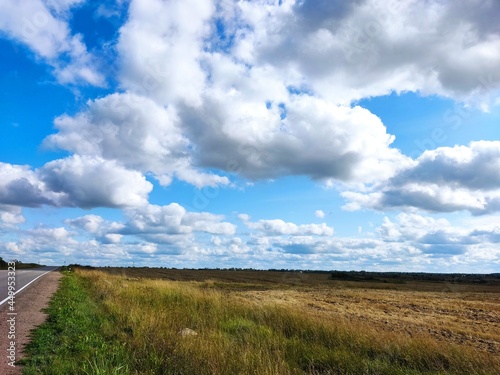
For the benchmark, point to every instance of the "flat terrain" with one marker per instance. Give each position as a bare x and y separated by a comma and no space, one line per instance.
471,319
225,322
462,313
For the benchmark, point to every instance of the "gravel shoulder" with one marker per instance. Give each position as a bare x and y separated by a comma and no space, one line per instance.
29,305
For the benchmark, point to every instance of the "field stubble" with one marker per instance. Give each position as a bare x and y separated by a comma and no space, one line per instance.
284,323
469,319
250,322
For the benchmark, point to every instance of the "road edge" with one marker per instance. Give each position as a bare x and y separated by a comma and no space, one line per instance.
31,282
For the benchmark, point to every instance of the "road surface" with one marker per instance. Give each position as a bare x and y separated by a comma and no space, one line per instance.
16,326
23,278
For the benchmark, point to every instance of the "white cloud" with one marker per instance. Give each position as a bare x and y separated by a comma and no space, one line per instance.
77,181
161,46
41,26
279,227
48,240
244,217
174,219
370,48
275,96
62,6
316,139
442,180
258,100
137,133
319,214
11,216
225,247
21,186
169,229
112,238
439,239
93,182
410,227
97,229
169,235
89,223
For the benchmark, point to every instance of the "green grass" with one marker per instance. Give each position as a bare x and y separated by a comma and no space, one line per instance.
77,338
103,324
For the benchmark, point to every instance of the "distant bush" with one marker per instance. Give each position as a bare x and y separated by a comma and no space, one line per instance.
19,265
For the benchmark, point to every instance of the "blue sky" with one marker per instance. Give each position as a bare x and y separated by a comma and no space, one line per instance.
265,134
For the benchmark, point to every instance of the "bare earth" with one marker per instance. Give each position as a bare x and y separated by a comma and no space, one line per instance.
29,305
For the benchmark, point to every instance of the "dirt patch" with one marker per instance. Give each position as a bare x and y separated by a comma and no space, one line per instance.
29,305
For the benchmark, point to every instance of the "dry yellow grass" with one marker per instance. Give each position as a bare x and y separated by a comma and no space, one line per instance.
469,319
259,328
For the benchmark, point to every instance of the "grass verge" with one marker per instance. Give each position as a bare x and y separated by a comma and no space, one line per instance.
77,337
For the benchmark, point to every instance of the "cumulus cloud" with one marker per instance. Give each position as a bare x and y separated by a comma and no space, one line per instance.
262,89
319,214
161,46
89,223
370,48
486,234
280,227
49,245
169,229
340,252
20,186
314,138
244,217
246,87
97,228
82,181
443,180
135,132
409,241
77,181
437,237
61,7
10,216
174,219
48,240
41,25
153,236
410,227
112,238
473,167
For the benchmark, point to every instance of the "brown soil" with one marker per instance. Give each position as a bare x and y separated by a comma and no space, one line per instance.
29,305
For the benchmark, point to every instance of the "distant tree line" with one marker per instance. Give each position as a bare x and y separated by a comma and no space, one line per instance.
19,265
402,277
384,277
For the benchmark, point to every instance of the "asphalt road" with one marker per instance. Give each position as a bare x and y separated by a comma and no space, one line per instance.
23,278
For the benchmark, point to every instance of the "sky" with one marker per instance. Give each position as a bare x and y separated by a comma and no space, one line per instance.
296,134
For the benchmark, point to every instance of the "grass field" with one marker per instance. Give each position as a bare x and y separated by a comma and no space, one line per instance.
247,322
